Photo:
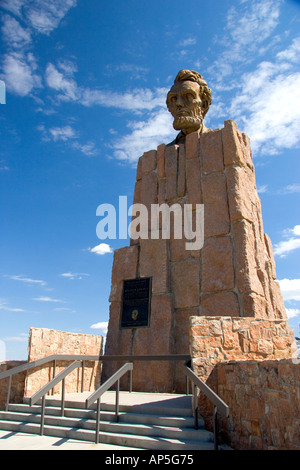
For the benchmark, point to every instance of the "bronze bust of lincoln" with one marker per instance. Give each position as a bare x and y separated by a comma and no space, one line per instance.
188,101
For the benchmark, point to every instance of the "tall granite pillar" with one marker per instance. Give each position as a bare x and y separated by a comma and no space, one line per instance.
232,275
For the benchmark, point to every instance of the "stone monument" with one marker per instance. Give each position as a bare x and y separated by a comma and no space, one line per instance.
160,282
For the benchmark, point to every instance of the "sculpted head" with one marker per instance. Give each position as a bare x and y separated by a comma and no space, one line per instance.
188,101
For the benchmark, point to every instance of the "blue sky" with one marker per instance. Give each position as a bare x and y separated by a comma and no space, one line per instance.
86,84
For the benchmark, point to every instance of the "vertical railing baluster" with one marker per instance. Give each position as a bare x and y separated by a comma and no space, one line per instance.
215,423
63,397
43,415
8,393
195,407
82,376
54,372
117,400
130,381
98,421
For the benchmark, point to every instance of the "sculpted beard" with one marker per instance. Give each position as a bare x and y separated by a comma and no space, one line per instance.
193,119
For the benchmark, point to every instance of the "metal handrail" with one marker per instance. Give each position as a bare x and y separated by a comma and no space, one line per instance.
44,360
96,396
219,405
44,390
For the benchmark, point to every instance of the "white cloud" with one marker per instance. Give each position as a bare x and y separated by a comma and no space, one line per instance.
292,312
135,100
262,189
19,73
286,246
290,289
74,275
45,15
3,306
291,189
188,42
145,135
253,22
3,167
268,106
58,81
14,6
88,149
101,249
63,133
100,326
48,299
14,34
292,53
22,337
26,280
247,27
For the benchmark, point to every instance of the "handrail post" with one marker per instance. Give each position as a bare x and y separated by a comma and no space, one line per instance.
8,393
98,421
82,376
54,372
43,415
130,381
187,385
117,400
63,397
215,423
195,407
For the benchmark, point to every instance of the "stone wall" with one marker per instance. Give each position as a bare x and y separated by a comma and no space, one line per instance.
46,342
17,384
247,362
217,339
264,402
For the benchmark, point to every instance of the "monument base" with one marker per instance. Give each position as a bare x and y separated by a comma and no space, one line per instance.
233,275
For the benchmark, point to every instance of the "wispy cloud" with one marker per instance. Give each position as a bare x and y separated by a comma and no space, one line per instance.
19,73
14,34
74,275
19,66
101,249
69,135
26,280
145,135
292,312
290,289
62,133
262,189
291,189
292,242
188,42
100,326
23,337
41,15
7,308
272,122
48,299
247,27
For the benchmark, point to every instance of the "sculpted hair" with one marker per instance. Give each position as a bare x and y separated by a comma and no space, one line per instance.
205,92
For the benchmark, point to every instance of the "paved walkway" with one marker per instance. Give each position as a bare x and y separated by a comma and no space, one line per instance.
22,441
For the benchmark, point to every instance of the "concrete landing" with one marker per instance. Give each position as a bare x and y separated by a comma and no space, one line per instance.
22,441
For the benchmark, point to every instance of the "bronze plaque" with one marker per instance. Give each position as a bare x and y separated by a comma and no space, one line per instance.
136,303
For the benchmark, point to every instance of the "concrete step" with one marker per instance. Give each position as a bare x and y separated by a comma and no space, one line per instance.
124,416
176,410
121,439
127,427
